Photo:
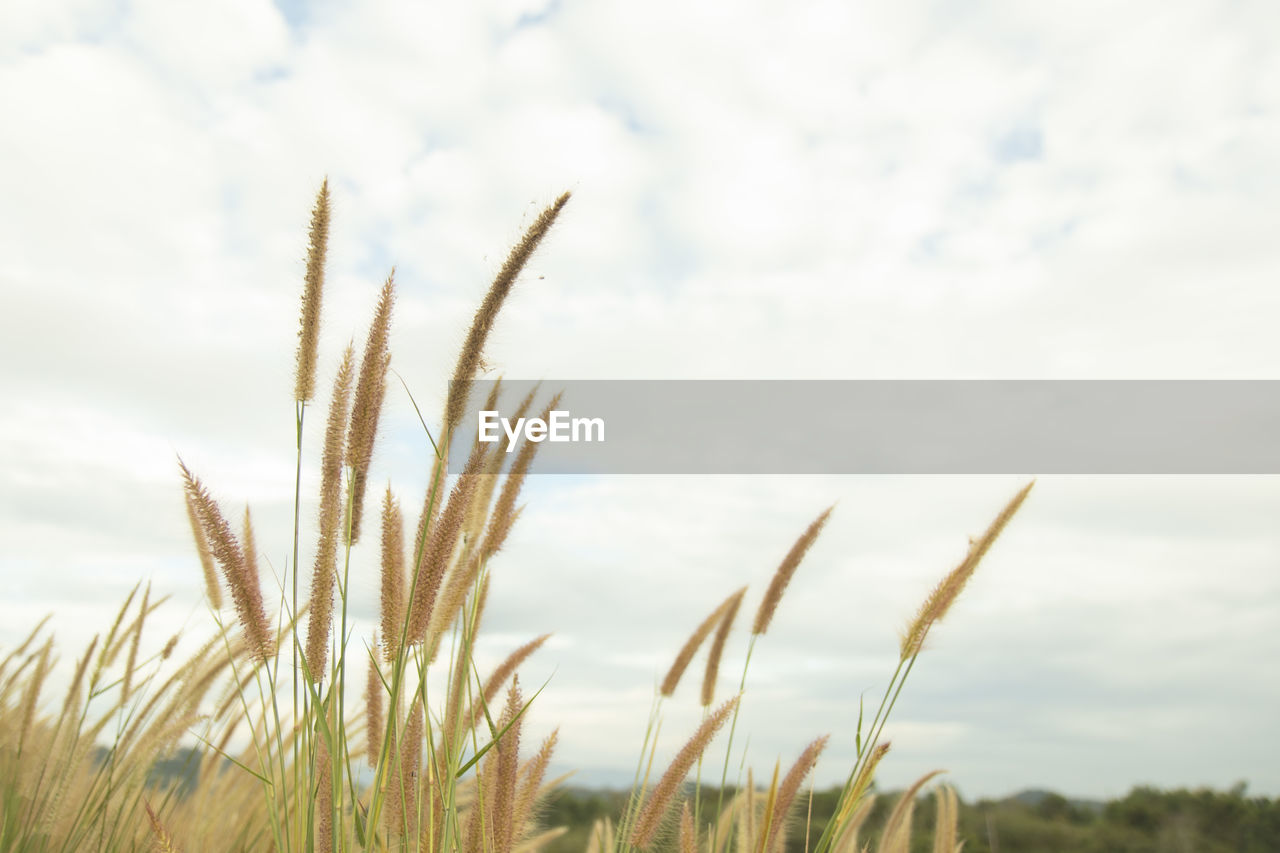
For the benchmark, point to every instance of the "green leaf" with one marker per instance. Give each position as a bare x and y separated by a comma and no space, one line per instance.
498,735
858,736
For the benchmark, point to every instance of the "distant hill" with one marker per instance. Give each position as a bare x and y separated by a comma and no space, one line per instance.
1037,797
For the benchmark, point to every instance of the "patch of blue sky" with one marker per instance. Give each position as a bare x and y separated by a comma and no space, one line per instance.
1022,143
270,74
297,13
527,19
928,247
538,17
625,113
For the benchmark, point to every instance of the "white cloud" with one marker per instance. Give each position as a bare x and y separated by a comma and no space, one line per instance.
803,190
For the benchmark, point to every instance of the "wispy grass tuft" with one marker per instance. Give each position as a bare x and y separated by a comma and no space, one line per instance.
786,569
469,358
324,572
366,409
239,573
312,294
656,805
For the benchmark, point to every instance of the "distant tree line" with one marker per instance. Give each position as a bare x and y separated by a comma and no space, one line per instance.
1146,820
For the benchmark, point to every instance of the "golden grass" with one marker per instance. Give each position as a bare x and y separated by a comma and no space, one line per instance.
276,767
660,799
313,288
786,569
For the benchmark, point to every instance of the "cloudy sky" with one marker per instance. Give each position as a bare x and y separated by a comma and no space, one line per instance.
923,190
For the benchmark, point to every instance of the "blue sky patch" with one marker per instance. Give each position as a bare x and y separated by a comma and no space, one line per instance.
1021,143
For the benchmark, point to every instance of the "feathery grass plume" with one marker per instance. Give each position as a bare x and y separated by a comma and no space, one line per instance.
111,648
846,839
534,771
250,551
31,638
75,694
503,516
482,597
717,646
439,549
747,827
392,575
324,798
148,607
245,591
601,839
688,833
542,840
373,706
163,838
31,696
787,793
469,357
896,837
500,675
69,746
206,558
478,511
853,793
460,581
406,776
948,589
135,637
656,806
508,770
309,330
691,646
944,825
785,570
326,559
371,389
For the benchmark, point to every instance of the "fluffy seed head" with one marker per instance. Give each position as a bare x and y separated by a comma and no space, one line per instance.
508,750
309,331
436,555
392,575
651,814
161,835
948,589
469,357
790,786
502,518
373,707
786,569
324,798
730,608
897,828
532,775
691,646
688,833
212,590
323,572
861,783
243,583
948,814
500,675
371,389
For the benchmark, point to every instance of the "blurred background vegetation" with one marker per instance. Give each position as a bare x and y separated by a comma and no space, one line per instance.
1146,820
